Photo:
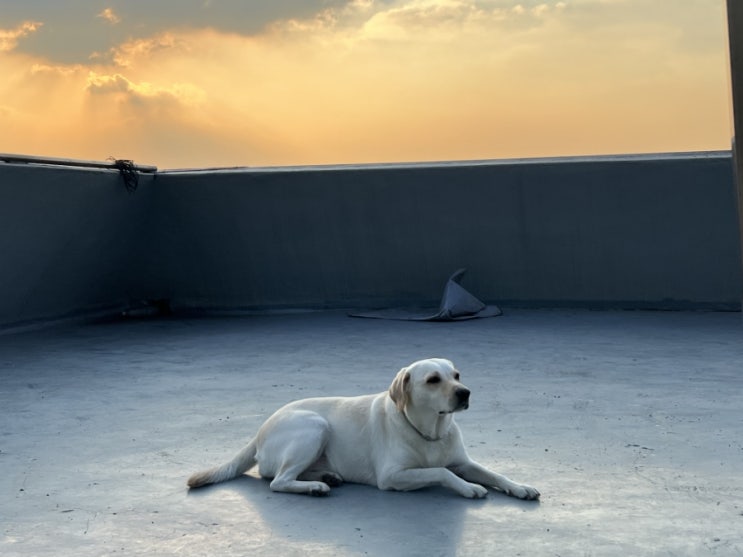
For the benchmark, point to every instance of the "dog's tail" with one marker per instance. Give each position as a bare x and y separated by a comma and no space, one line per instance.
243,461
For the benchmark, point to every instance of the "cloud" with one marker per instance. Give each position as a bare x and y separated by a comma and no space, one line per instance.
109,16
422,18
73,38
57,70
418,21
128,53
143,93
9,37
103,84
381,80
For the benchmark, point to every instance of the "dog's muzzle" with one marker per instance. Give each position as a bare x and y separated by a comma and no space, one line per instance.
463,398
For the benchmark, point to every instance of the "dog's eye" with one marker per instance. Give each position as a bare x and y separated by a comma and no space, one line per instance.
433,379
456,376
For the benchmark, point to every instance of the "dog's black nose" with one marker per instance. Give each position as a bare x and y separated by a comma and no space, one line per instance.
463,395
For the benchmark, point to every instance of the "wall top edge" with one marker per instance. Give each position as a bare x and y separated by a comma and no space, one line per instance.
691,155
73,163
111,165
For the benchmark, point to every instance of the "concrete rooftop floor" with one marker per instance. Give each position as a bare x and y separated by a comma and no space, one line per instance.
629,423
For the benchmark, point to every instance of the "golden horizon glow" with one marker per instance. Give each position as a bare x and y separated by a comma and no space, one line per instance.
366,81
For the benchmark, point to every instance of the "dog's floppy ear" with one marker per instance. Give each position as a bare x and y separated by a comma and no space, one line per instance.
399,390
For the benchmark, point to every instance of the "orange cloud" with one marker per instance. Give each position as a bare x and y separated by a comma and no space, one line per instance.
9,37
143,93
126,54
59,70
109,16
370,81
108,83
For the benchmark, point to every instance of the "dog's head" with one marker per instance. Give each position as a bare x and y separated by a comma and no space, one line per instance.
431,385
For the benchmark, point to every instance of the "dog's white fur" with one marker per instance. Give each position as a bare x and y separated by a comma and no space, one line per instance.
402,439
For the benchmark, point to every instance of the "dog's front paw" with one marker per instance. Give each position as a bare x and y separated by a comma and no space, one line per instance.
523,491
473,491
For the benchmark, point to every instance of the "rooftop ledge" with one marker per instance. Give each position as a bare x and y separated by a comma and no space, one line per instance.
637,157
632,231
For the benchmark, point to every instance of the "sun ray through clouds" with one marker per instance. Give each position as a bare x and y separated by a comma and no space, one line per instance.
367,81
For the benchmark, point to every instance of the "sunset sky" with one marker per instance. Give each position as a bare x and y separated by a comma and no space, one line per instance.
199,83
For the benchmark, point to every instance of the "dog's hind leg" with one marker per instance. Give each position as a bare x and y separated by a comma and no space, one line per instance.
321,471
291,446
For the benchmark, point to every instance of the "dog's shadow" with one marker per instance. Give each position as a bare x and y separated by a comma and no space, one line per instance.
361,518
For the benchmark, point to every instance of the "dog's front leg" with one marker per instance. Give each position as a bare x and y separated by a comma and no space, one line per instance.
475,472
417,478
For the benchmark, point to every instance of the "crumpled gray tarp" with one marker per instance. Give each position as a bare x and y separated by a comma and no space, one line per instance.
457,304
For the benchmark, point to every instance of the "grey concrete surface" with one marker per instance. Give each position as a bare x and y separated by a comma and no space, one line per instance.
628,422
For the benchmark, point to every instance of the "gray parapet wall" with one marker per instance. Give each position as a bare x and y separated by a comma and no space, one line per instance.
642,231
649,231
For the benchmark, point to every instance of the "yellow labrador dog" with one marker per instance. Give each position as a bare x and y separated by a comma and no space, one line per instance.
402,439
